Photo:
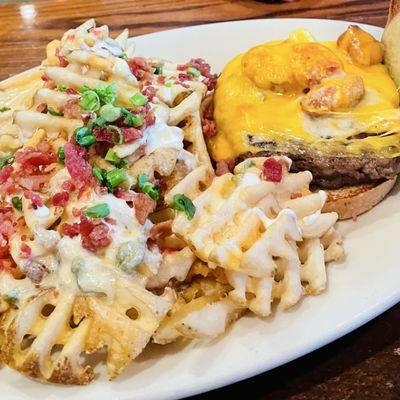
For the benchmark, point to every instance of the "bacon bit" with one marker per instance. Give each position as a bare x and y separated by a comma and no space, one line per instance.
160,79
273,169
68,186
23,238
185,77
63,61
94,233
205,70
131,134
161,230
143,206
139,67
42,108
295,195
33,182
5,173
224,167
71,109
122,194
208,124
44,78
31,159
97,239
76,212
26,251
149,92
60,199
34,198
110,221
150,118
78,167
71,91
50,84
102,135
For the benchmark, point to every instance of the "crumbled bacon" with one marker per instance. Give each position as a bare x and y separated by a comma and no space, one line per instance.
34,198
42,108
295,195
71,109
205,70
272,169
139,67
208,124
143,205
149,92
60,199
26,251
150,118
131,134
32,159
68,186
224,167
78,167
71,91
122,194
94,233
63,61
5,173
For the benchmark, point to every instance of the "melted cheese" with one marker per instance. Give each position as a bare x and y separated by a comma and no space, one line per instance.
249,113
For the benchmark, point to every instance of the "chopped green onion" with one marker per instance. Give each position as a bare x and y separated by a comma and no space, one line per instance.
3,109
107,93
123,55
84,137
110,113
11,297
61,154
115,177
138,99
98,211
182,203
17,203
100,174
86,141
52,111
158,71
62,88
6,160
193,71
115,130
134,120
112,157
168,84
147,187
100,122
90,101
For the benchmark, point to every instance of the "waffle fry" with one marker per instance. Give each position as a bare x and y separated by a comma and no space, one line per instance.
79,324
253,230
201,311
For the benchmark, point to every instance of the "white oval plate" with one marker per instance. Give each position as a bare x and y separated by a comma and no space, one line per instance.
366,284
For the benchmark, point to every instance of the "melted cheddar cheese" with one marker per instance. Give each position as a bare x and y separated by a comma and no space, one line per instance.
257,103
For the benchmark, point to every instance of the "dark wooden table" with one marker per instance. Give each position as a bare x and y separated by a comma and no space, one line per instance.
364,364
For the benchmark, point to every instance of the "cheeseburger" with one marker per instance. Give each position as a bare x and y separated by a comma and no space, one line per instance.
332,107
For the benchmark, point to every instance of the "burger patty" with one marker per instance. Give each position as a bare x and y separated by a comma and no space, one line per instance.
334,172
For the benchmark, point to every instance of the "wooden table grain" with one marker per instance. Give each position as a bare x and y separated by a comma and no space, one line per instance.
364,364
